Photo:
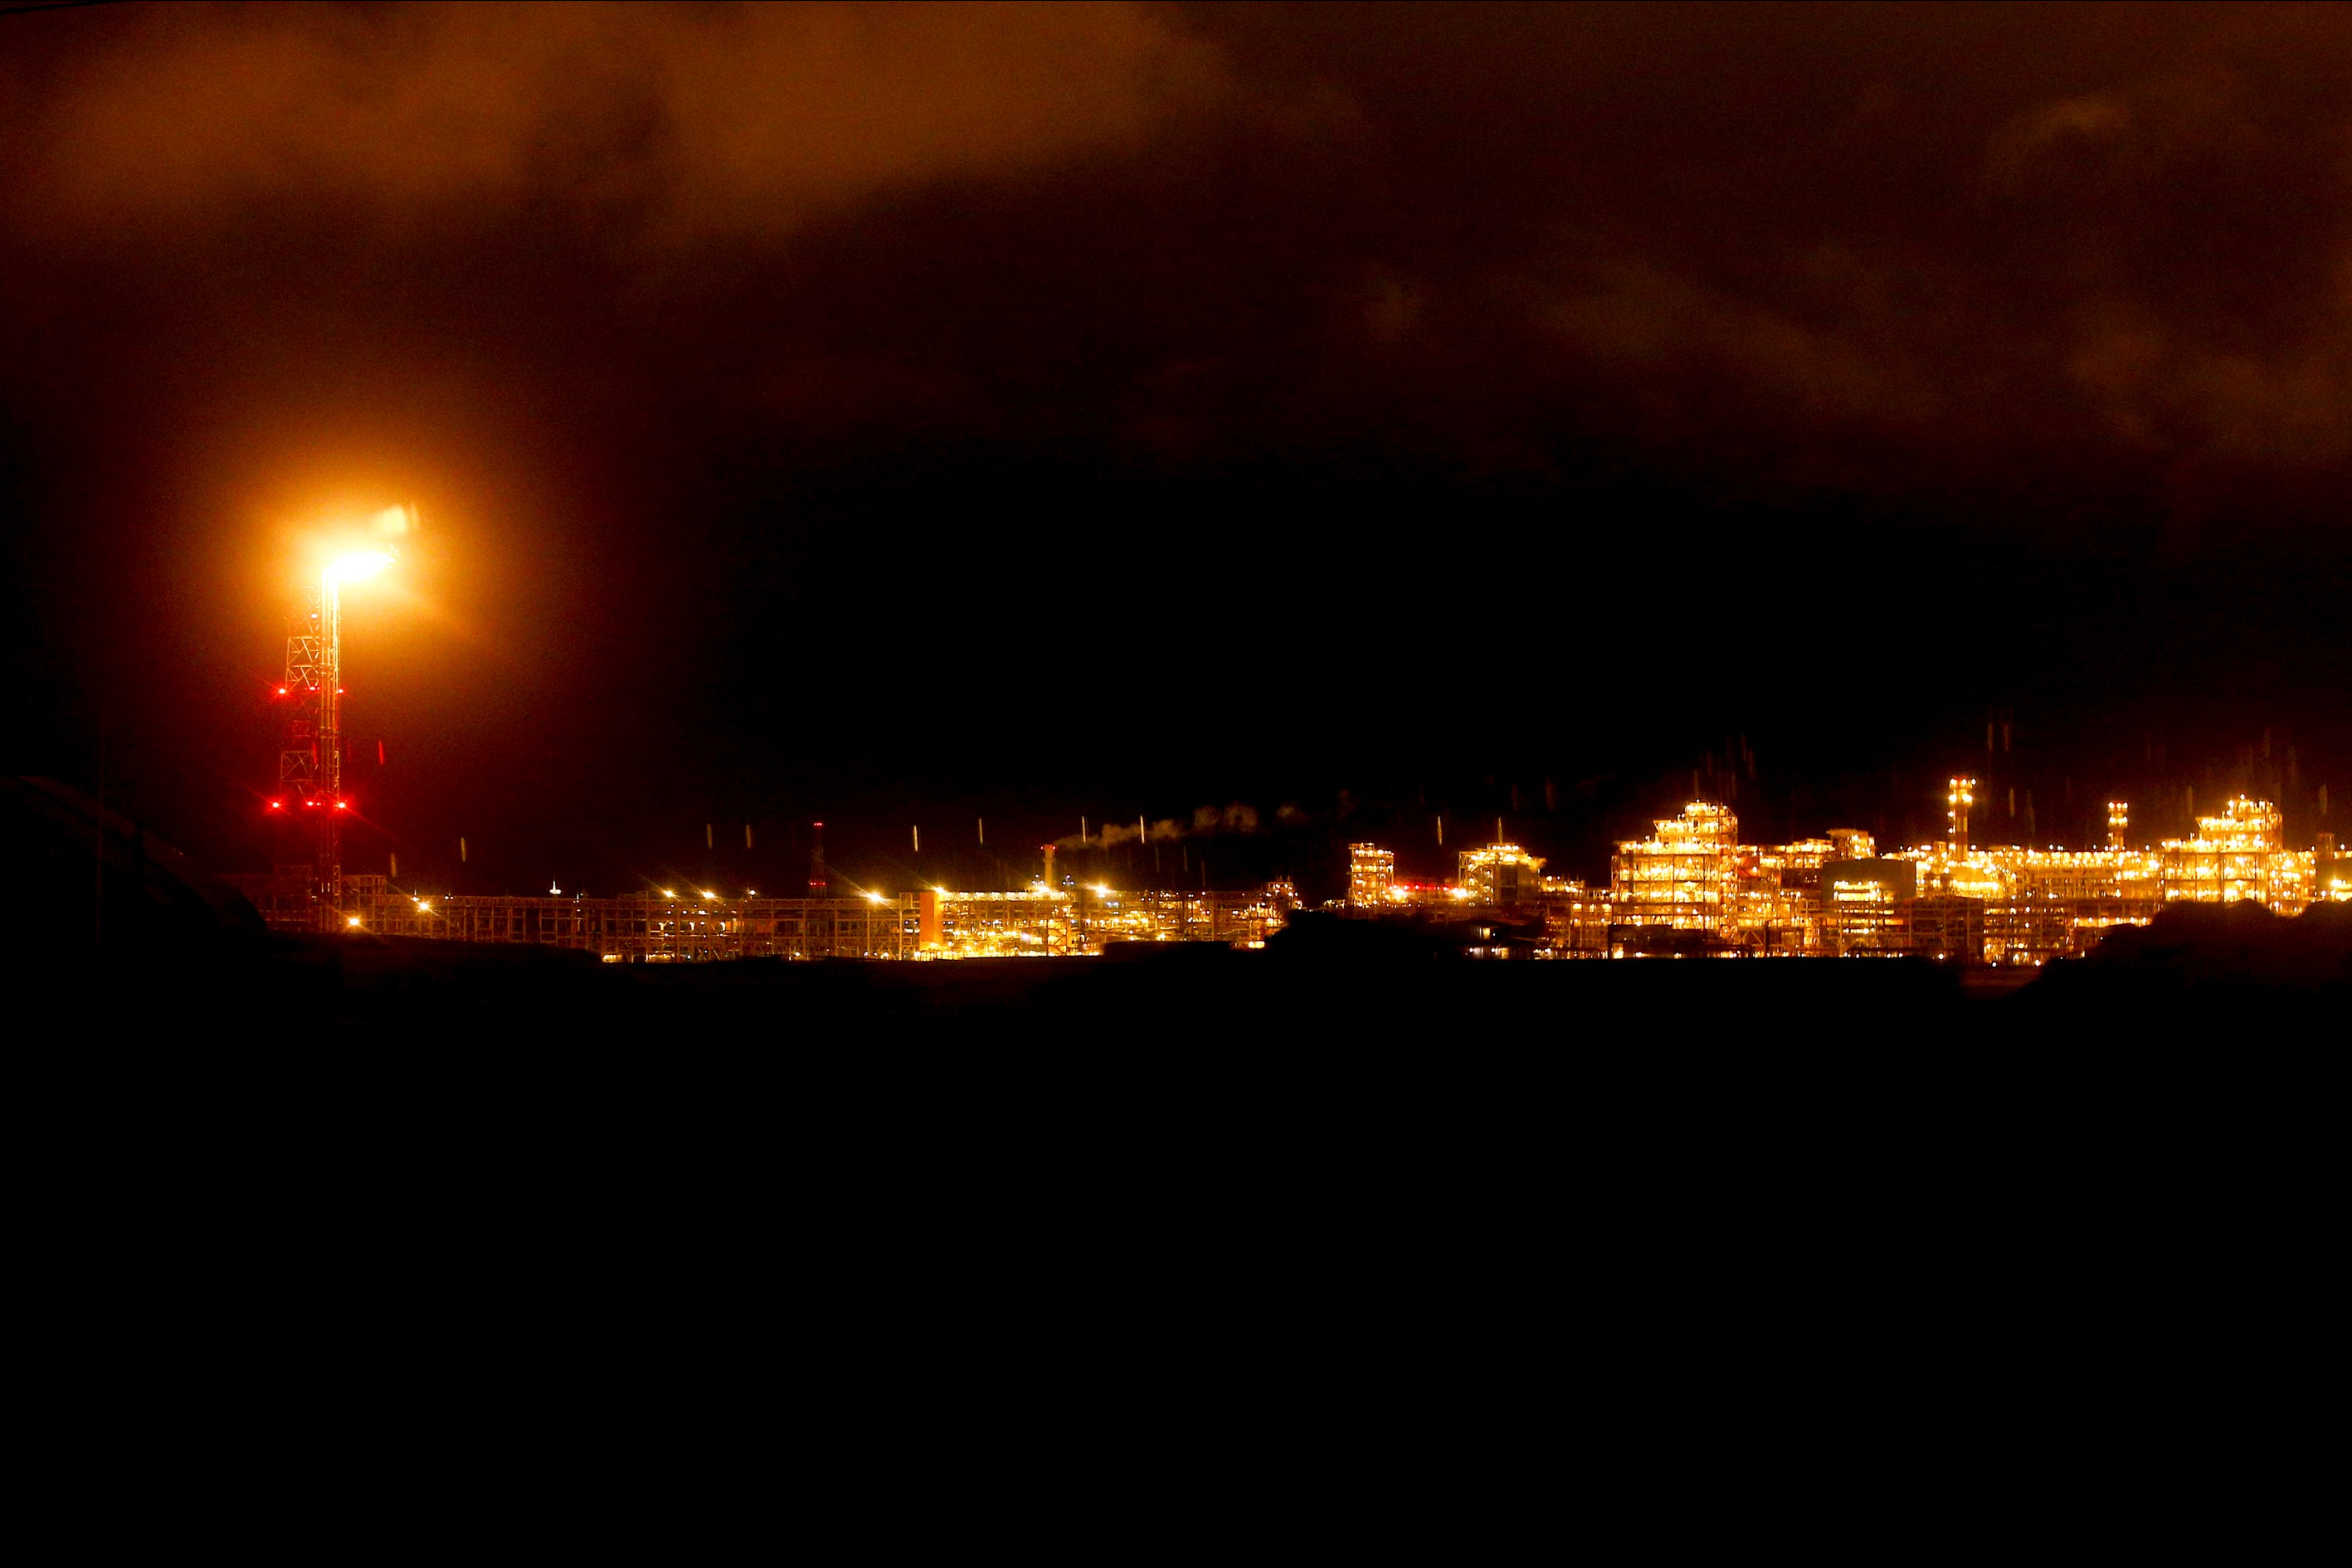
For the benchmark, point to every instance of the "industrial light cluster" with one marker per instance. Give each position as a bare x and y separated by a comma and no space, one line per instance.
1693,888
1081,917
702,925
1690,889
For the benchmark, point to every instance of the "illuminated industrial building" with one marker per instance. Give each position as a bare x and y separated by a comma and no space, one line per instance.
2237,855
1577,919
1682,877
1865,906
1370,869
1500,876
1958,798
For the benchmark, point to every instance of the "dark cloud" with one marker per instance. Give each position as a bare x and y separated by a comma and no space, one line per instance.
2123,231
690,120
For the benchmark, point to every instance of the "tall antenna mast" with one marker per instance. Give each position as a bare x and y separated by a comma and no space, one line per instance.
330,871
310,761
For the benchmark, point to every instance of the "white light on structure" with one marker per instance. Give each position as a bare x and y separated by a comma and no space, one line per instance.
353,921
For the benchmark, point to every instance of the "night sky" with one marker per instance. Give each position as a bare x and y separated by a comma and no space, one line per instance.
1328,416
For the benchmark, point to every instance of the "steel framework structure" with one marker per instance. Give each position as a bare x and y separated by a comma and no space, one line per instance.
310,759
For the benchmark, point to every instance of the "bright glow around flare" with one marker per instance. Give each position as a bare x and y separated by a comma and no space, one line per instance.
359,563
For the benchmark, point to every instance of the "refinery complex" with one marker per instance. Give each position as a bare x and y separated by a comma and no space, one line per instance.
1692,889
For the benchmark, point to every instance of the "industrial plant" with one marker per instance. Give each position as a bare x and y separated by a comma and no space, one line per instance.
1692,889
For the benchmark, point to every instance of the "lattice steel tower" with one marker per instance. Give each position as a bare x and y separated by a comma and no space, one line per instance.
311,760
